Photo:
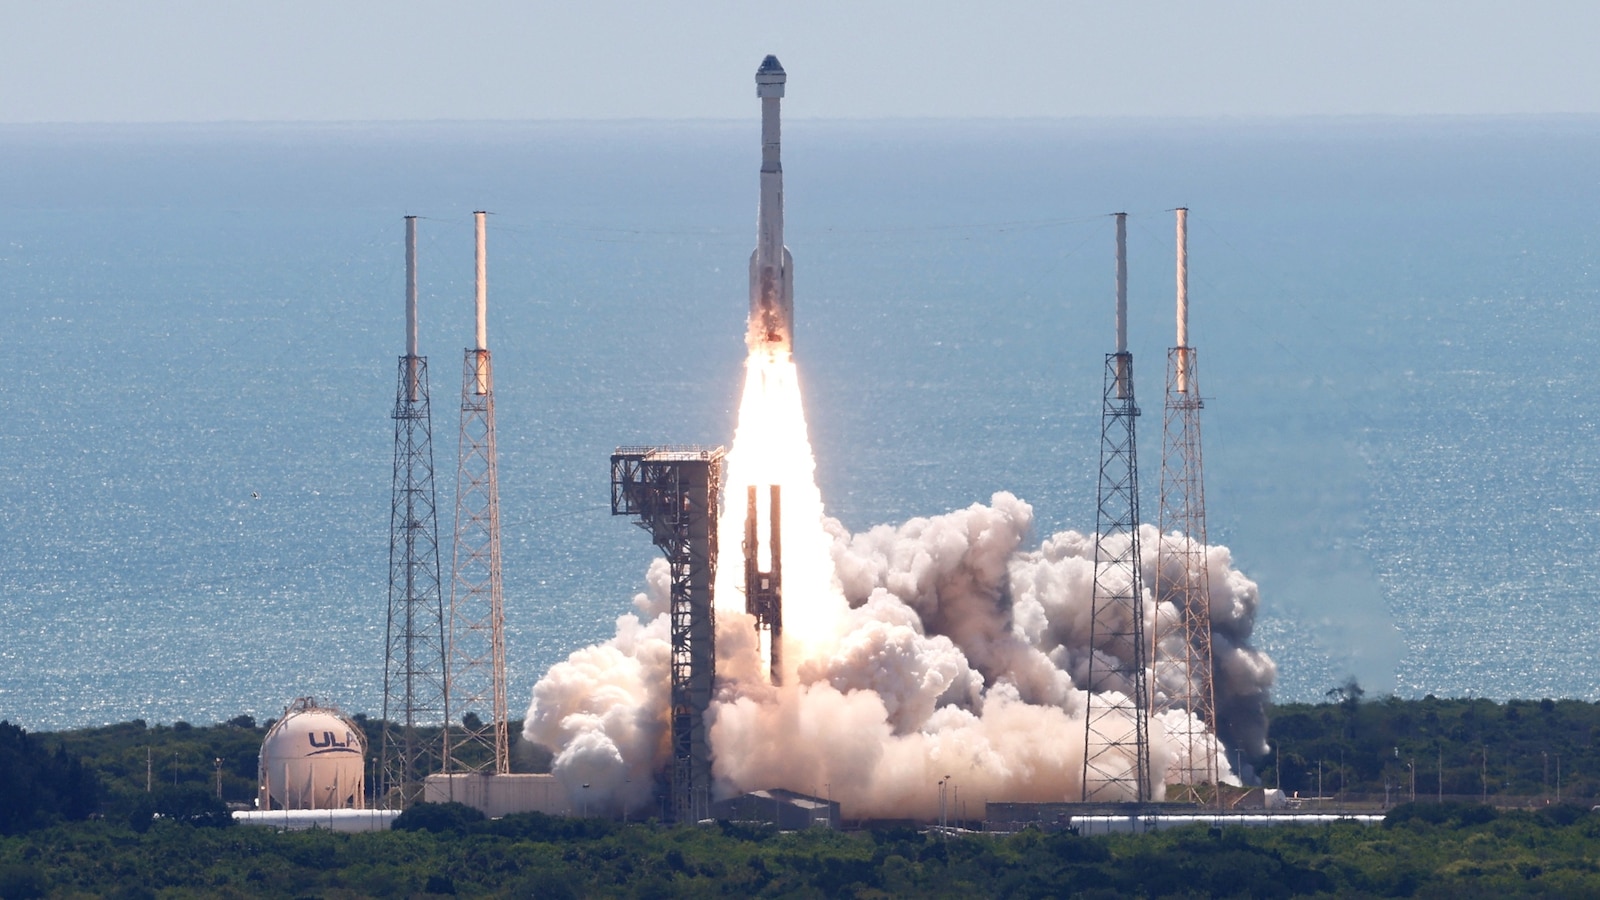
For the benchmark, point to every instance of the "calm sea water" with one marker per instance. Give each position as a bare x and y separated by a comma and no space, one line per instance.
199,329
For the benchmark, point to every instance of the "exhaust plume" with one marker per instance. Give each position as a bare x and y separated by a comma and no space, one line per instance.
944,646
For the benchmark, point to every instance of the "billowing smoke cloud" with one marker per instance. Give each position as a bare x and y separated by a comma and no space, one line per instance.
944,648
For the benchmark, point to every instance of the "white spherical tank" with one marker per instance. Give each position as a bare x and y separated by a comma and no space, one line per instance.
313,758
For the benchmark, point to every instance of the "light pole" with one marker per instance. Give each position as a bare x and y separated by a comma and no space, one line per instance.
586,799
218,762
942,783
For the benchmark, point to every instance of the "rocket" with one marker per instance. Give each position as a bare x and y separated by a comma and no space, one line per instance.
771,325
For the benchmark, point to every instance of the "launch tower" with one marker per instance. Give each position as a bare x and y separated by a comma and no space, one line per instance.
1185,676
674,492
1116,755
479,743
414,680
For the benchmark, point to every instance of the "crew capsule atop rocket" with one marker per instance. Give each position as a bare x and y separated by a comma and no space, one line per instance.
771,325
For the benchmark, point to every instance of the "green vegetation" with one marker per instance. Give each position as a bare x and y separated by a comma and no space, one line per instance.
1426,850
134,759
132,756
37,786
1502,753
78,823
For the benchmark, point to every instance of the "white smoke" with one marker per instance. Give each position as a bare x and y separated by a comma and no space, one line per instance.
956,652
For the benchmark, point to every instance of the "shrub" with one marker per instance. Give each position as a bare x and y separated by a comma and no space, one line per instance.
193,805
21,882
437,818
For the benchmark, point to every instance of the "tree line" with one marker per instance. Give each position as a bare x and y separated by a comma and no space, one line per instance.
1512,753
1457,850
134,810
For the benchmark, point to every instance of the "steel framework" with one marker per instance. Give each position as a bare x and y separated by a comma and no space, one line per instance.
1116,758
1185,676
763,591
674,493
1184,579
477,613
414,666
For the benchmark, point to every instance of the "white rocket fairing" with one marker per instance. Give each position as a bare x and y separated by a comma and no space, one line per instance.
771,325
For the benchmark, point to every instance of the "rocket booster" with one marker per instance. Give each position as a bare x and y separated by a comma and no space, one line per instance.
771,325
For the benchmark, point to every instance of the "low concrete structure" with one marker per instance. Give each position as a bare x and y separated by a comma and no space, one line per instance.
1087,825
788,810
1130,818
499,795
1001,815
347,820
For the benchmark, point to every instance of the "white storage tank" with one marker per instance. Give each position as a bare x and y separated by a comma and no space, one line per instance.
313,758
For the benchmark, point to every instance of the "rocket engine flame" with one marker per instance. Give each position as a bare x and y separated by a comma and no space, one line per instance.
942,646
771,447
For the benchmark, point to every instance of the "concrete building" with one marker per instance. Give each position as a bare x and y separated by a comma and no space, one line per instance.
789,810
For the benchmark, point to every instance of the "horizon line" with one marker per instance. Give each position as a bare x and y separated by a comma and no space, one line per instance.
1147,118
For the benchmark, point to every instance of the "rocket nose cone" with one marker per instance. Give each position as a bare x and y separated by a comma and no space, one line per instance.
770,66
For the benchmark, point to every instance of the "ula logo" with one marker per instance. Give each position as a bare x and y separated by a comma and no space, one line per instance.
328,740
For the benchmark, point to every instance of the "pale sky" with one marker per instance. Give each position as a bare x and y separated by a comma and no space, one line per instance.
320,60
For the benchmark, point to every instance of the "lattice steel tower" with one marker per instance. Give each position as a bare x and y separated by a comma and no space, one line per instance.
415,702
1184,671
478,741
1116,755
675,491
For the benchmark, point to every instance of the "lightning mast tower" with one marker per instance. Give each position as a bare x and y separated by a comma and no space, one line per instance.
1183,575
674,492
414,690
1116,755
477,614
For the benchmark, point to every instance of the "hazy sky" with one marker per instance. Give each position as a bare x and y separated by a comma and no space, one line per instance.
219,60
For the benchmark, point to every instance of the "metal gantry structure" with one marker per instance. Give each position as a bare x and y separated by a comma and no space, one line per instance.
763,590
1116,756
1184,673
674,493
415,698
478,741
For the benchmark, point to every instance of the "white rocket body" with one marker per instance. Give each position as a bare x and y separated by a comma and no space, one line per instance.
771,325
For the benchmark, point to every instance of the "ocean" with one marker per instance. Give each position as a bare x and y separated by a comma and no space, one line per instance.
199,330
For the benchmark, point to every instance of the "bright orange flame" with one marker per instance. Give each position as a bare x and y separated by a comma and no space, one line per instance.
770,446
